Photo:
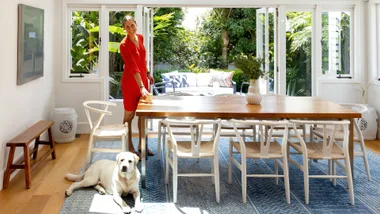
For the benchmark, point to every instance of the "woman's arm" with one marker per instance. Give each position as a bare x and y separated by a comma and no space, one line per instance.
143,91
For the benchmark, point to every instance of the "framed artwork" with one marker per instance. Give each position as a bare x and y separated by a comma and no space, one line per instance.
30,47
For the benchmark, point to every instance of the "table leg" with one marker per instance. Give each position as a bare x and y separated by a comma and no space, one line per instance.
351,145
143,150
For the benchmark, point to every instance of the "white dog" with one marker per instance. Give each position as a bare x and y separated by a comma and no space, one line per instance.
116,178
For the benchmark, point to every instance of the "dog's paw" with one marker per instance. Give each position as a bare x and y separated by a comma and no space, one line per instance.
68,193
139,207
102,192
126,209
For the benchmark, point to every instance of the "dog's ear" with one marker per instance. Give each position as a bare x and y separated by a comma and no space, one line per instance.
118,157
136,159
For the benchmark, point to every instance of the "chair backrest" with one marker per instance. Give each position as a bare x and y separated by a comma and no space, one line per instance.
355,107
227,95
264,134
196,130
328,136
358,108
102,111
162,86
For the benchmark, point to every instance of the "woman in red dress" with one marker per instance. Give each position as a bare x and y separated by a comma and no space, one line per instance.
134,82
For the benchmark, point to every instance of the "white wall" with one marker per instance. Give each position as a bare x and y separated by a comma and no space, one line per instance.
372,45
22,106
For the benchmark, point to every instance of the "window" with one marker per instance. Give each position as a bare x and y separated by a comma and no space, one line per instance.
84,42
336,43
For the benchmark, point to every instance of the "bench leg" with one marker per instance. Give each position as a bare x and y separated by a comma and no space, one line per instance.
36,148
51,140
27,167
7,174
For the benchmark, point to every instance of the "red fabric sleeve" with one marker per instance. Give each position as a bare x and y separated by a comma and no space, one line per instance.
142,42
129,57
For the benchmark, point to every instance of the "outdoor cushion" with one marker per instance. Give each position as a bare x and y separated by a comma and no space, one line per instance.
203,79
190,78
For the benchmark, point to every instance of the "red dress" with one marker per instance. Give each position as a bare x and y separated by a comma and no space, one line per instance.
134,61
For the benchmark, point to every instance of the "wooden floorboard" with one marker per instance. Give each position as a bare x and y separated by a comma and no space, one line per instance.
47,192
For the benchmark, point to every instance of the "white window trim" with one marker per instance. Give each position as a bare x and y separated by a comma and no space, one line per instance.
66,43
373,35
67,7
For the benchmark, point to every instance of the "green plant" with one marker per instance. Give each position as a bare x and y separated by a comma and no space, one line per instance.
250,65
239,78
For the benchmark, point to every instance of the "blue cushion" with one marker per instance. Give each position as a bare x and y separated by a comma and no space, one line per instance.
178,80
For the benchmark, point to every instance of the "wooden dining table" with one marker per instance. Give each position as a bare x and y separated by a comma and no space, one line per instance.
227,107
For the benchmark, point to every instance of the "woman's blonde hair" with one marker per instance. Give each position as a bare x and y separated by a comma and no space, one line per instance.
128,18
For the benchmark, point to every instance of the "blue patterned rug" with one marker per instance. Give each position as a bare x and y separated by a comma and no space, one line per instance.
197,195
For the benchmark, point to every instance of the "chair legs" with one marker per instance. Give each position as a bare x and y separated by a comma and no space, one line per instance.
212,171
333,171
159,141
306,179
174,164
216,178
276,170
166,164
230,163
366,163
244,178
286,179
364,152
89,151
175,178
349,180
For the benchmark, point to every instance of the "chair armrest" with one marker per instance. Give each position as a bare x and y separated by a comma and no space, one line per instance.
162,85
234,86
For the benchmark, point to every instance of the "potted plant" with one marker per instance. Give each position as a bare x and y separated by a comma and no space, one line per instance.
252,69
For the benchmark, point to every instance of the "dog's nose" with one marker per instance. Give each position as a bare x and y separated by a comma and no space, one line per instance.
124,169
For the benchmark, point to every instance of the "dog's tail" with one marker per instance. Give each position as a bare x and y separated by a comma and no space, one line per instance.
72,177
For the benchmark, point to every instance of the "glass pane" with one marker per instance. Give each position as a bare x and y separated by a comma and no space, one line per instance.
298,53
272,66
116,64
336,43
84,48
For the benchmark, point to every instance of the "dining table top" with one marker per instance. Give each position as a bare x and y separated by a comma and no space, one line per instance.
271,107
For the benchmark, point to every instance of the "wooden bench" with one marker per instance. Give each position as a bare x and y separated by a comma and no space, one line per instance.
22,140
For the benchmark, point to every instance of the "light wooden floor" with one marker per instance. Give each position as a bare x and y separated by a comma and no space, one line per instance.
47,192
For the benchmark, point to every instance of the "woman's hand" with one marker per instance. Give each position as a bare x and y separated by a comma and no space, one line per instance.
144,93
150,78
146,96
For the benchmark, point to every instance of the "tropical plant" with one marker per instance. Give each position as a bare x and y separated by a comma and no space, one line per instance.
250,65
84,50
168,34
225,33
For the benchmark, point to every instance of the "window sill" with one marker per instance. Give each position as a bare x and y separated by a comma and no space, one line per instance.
83,79
334,79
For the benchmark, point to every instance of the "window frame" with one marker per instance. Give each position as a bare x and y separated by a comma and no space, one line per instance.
66,44
351,10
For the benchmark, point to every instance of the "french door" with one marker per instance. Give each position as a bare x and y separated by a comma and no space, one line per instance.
266,47
113,34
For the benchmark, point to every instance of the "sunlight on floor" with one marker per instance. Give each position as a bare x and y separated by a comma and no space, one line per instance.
106,204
